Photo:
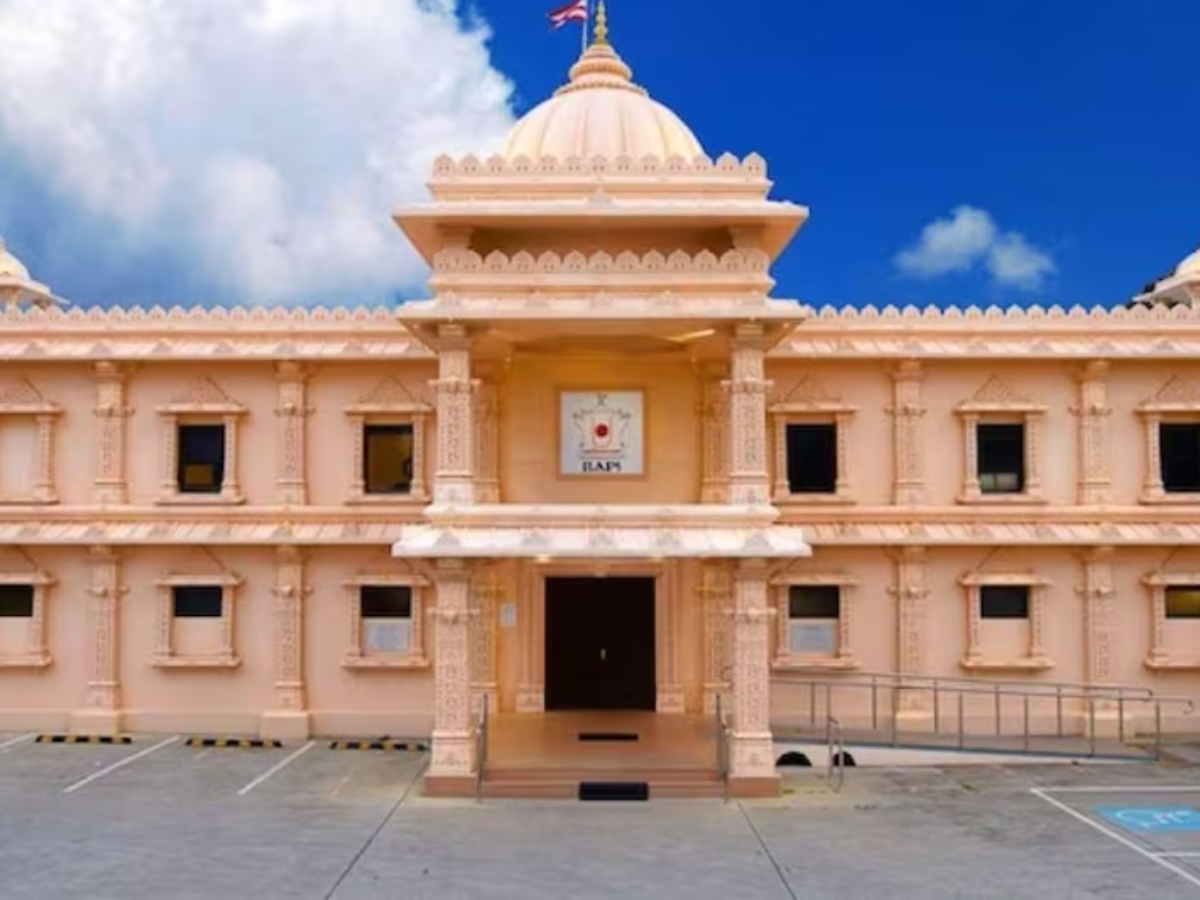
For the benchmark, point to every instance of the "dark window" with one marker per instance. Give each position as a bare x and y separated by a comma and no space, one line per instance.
1183,602
201,459
198,601
386,602
809,601
16,601
1179,454
388,459
1001,458
1004,601
812,458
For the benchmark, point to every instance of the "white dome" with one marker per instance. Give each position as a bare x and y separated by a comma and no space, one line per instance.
601,112
10,266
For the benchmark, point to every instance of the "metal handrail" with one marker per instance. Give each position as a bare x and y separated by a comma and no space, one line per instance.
1050,686
837,753
1091,695
481,747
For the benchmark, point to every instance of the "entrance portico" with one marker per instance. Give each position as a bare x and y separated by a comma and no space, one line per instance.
743,541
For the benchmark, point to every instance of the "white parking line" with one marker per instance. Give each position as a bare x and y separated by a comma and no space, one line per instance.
17,740
120,764
1123,789
1155,858
275,768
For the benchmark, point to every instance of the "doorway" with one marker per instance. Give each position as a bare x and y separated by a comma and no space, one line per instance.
600,643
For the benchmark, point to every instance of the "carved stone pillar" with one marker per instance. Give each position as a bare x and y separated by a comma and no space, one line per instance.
1092,413
486,591
531,694
487,443
714,437
748,387
752,760
288,717
908,449
714,593
101,713
291,417
111,415
1096,592
912,595
452,759
670,694
454,480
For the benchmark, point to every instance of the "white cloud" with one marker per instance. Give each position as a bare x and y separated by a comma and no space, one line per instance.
260,144
1011,260
969,237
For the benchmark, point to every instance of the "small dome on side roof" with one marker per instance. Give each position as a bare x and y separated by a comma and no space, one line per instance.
10,266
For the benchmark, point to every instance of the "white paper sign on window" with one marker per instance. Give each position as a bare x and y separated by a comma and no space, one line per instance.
602,433
813,638
387,635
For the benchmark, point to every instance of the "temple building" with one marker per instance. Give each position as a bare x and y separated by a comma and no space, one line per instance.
600,471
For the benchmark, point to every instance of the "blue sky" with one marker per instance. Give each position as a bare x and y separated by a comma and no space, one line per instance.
252,155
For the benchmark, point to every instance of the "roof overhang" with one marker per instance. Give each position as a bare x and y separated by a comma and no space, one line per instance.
575,532
424,224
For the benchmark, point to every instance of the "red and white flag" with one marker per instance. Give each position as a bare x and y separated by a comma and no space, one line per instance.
572,12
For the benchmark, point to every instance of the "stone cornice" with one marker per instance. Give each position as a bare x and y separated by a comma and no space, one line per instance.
271,526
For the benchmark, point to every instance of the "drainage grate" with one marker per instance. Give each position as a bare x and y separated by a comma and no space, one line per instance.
614,790
608,736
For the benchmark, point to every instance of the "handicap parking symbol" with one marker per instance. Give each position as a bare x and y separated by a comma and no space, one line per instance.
1156,819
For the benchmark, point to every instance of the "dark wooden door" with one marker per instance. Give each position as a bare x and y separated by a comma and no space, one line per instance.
600,643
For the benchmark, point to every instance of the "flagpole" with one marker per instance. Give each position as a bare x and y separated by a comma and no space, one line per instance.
584,31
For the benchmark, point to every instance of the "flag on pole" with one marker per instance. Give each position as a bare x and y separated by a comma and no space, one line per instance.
572,12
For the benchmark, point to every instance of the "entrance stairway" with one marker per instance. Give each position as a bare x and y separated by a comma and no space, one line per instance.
603,755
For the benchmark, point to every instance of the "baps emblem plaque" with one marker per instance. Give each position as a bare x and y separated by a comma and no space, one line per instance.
602,433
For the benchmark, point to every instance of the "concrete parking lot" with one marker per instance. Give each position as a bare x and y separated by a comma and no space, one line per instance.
159,819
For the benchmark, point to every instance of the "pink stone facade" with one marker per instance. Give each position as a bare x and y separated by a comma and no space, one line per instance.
551,276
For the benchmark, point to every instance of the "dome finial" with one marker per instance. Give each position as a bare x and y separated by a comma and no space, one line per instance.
601,25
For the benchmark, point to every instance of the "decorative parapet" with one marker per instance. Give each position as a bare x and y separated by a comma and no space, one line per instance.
305,334
737,271
727,175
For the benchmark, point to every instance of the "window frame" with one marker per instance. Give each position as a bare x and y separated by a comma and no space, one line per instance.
226,656
1035,656
1159,655
357,656
203,404
389,403
366,450
813,412
36,653
843,656
21,400
1178,402
997,404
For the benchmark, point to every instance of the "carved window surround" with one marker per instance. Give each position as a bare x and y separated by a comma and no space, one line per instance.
387,405
812,412
1160,656
204,404
23,401
225,656
34,654
987,409
357,656
1178,401
844,657
1035,657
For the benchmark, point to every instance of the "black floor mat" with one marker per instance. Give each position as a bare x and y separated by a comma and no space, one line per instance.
608,736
